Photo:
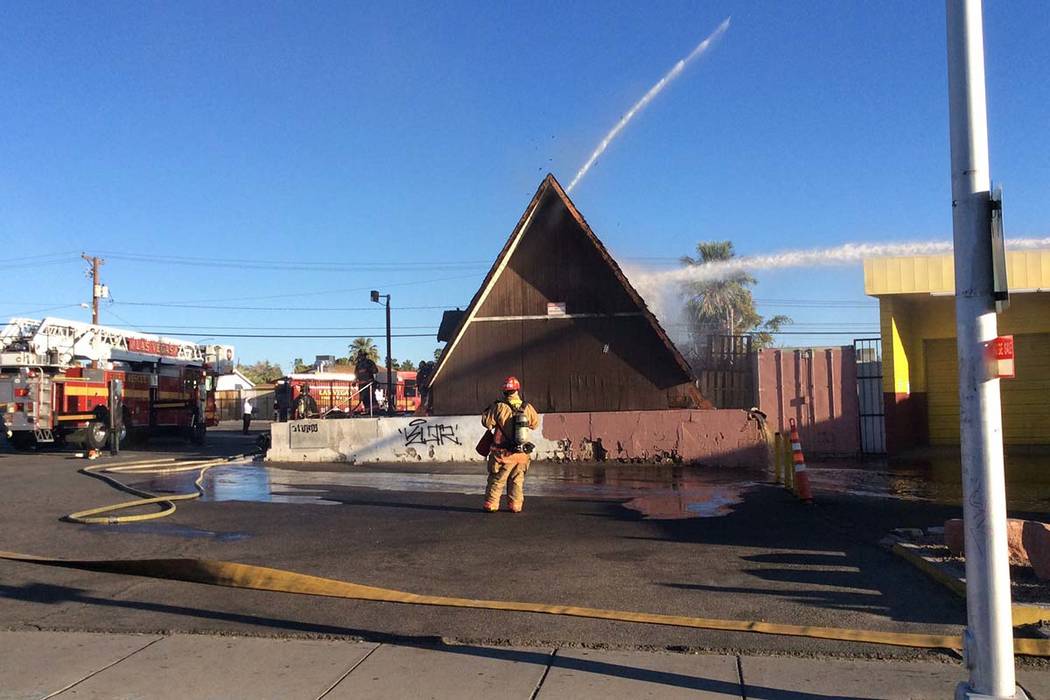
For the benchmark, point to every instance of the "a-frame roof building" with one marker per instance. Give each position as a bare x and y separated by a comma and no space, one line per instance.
557,312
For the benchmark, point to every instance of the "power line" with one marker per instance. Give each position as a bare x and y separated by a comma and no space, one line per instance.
853,333
281,328
299,265
38,263
121,318
276,308
44,309
322,292
67,253
303,336
817,304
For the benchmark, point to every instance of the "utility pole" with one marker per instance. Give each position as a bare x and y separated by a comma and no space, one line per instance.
989,632
391,400
97,289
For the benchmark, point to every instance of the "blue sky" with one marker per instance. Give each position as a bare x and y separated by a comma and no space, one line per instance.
394,147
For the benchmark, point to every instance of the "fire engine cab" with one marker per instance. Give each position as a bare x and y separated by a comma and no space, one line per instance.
61,380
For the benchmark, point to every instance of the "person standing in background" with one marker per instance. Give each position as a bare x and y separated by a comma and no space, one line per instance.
366,370
246,414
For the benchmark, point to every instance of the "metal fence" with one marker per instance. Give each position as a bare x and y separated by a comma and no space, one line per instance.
230,404
725,371
869,395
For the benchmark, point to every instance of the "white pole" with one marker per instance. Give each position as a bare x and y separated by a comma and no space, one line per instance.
989,633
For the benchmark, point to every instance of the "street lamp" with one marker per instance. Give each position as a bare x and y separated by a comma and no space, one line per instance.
391,400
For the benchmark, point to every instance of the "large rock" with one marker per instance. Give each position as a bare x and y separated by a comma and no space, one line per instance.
1037,544
1015,539
953,536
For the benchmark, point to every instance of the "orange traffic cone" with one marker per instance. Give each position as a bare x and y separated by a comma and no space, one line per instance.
801,477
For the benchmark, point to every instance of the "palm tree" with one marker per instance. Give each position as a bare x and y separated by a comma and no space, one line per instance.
724,306
367,345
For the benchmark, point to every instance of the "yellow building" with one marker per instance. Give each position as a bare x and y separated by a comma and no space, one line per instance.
919,371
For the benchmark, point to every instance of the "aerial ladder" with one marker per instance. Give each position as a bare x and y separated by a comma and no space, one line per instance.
56,378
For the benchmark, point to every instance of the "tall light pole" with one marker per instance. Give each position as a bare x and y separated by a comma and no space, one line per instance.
989,633
391,400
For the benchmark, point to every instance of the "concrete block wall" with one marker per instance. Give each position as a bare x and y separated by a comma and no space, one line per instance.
726,437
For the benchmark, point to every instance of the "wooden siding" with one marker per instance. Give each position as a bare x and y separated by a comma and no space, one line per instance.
607,355
555,262
563,366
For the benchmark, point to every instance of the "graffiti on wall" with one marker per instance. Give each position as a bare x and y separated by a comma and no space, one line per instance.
421,432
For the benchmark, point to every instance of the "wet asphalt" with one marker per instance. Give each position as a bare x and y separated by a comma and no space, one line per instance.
758,555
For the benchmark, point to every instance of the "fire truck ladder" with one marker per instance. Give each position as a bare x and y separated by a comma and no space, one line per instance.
56,341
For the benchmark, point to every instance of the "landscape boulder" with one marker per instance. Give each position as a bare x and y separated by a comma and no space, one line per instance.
1037,544
1015,538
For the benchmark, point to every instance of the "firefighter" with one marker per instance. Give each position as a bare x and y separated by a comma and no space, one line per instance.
511,417
365,370
423,375
305,406
282,400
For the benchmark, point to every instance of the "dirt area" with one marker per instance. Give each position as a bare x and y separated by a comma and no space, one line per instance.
1025,587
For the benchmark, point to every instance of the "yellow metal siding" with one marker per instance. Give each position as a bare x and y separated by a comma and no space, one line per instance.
935,274
1026,399
942,391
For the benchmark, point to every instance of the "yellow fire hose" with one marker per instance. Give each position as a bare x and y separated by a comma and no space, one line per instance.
261,578
95,516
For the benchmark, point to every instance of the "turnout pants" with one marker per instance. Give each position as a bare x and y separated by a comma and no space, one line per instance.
506,471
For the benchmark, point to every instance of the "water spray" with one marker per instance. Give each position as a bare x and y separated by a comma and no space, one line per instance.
662,289
655,90
814,257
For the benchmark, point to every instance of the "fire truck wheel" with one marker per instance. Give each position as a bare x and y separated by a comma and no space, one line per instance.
22,441
97,434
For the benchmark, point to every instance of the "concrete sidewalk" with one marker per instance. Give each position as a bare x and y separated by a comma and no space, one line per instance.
107,666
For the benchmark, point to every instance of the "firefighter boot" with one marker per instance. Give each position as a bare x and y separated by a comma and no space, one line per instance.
516,488
498,474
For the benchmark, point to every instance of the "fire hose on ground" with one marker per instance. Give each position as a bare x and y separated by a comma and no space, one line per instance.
103,515
261,578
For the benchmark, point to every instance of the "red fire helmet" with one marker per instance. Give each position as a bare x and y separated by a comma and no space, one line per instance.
512,384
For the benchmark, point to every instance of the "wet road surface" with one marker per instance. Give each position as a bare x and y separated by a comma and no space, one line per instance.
653,491
626,537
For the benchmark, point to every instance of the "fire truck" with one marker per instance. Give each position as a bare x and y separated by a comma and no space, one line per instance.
339,393
60,380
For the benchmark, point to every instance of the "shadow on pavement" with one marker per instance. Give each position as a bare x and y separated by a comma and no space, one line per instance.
50,595
411,506
831,560
828,600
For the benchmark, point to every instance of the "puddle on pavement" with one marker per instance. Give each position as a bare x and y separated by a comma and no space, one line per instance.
936,478
166,530
654,491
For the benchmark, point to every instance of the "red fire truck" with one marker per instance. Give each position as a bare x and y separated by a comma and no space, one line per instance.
340,394
58,378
